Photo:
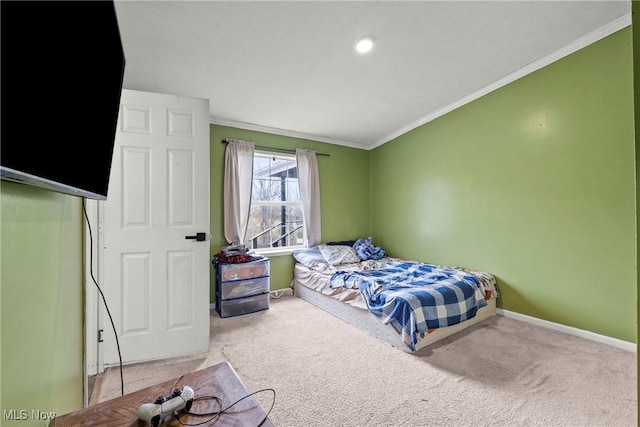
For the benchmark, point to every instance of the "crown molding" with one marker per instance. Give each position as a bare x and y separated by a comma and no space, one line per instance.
602,32
283,132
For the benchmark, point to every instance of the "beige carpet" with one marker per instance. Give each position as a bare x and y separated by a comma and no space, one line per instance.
501,372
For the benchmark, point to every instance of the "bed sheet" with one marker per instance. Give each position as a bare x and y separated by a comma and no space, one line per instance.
413,297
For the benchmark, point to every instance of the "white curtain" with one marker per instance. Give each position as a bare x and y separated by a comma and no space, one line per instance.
309,183
238,181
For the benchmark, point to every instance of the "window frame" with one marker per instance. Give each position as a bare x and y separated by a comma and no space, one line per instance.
278,250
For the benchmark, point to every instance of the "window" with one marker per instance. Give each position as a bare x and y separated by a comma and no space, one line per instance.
275,218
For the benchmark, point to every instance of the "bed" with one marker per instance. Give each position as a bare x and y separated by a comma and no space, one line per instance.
406,303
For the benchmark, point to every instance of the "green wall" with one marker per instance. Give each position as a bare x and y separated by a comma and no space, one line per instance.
635,25
533,182
41,299
344,192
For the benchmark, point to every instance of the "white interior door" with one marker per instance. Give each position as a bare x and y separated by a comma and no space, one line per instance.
155,276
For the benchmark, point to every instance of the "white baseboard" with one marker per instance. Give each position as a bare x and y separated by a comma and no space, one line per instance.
615,342
625,345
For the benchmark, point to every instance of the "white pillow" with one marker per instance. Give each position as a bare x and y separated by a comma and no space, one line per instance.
338,254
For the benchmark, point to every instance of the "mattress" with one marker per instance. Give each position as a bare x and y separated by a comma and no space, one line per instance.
314,285
319,281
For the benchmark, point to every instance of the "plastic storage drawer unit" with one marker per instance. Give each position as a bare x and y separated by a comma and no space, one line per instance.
236,307
242,288
244,270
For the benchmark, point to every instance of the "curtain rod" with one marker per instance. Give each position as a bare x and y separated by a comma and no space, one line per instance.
281,150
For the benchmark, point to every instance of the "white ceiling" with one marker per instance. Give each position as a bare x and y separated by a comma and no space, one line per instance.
290,67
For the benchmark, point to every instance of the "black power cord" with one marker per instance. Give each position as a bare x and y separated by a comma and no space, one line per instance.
115,333
216,414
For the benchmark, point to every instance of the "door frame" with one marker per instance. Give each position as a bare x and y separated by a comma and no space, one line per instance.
93,313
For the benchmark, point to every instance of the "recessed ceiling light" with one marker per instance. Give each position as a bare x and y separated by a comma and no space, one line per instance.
364,45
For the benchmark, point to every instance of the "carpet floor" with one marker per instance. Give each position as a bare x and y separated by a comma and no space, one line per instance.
500,372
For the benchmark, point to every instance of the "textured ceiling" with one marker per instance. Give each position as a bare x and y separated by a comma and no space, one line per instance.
290,67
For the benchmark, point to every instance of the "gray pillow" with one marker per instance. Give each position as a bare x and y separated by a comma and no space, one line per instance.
308,256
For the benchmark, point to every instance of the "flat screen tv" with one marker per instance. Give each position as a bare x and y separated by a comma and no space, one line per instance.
62,74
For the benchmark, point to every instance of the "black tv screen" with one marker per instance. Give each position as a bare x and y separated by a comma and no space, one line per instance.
62,73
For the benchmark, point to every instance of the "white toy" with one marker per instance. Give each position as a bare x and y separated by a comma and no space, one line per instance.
154,413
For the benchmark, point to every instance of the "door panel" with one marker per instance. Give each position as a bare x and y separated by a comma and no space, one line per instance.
155,280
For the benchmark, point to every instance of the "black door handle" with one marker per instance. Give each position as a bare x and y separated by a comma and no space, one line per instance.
199,237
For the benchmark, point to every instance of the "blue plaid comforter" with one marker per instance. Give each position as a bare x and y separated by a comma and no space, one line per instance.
415,297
